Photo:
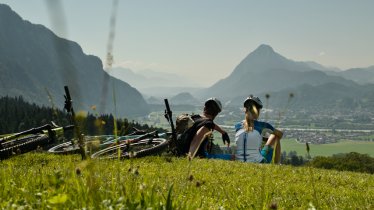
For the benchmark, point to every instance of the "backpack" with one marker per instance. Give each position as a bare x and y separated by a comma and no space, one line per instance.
183,129
183,122
186,127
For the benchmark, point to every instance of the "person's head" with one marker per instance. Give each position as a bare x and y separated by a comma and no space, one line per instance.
253,105
212,107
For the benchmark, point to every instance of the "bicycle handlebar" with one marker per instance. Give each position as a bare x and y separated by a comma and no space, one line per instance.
169,117
68,102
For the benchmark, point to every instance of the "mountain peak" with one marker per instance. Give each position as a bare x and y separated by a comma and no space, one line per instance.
6,12
264,49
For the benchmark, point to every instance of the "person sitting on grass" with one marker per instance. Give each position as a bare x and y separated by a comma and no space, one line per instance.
249,136
203,127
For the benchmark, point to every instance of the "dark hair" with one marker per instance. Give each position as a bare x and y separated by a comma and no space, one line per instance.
211,108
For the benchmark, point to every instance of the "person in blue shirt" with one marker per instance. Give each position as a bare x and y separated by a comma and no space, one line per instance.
250,132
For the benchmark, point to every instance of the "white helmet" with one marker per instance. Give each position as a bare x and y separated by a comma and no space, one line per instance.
253,99
217,103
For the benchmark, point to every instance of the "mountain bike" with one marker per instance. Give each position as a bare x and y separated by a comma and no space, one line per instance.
151,143
93,144
31,139
39,137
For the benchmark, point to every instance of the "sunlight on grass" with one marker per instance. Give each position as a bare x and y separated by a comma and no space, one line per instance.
40,181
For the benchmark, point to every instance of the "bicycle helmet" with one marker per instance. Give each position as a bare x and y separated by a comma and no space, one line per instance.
253,99
216,102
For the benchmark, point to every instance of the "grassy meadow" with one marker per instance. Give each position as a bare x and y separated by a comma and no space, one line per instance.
45,181
344,146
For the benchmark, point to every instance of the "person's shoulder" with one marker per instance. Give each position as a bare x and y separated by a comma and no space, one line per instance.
262,124
238,126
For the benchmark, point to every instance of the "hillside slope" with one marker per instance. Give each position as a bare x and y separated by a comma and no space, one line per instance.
33,60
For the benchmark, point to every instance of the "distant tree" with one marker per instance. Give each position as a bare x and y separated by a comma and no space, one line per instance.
345,162
292,159
17,115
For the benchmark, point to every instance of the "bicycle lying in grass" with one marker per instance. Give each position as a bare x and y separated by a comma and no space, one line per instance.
31,139
150,143
93,144
39,137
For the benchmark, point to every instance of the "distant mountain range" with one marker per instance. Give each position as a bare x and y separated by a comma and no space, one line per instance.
359,75
155,83
265,71
183,98
35,63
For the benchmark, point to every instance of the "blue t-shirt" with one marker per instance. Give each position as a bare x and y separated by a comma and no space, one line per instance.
249,143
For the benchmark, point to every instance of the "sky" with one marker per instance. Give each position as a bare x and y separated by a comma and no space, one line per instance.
206,39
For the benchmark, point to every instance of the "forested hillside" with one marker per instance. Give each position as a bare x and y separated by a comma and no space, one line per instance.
17,115
35,63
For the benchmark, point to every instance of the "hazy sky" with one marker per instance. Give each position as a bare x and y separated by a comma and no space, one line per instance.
206,39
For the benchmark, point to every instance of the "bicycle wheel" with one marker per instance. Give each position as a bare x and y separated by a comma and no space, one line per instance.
139,149
65,148
92,144
23,145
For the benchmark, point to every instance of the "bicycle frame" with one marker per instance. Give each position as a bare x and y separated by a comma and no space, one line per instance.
49,129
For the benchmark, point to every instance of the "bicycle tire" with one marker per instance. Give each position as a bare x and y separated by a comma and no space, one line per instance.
23,145
91,142
64,148
139,149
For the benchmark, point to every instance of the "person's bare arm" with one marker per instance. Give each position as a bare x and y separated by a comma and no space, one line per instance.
274,141
278,133
197,140
225,136
219,129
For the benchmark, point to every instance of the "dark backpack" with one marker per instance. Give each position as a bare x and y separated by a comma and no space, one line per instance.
186,128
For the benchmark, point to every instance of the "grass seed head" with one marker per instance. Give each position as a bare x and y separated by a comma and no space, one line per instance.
78,171
273,205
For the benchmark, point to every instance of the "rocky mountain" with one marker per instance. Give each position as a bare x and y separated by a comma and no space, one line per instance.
264,70
37,64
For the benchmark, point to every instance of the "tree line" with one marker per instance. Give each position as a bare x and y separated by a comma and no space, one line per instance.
345,162
352,161
18,115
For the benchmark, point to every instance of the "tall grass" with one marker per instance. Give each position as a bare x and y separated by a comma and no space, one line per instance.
40,181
